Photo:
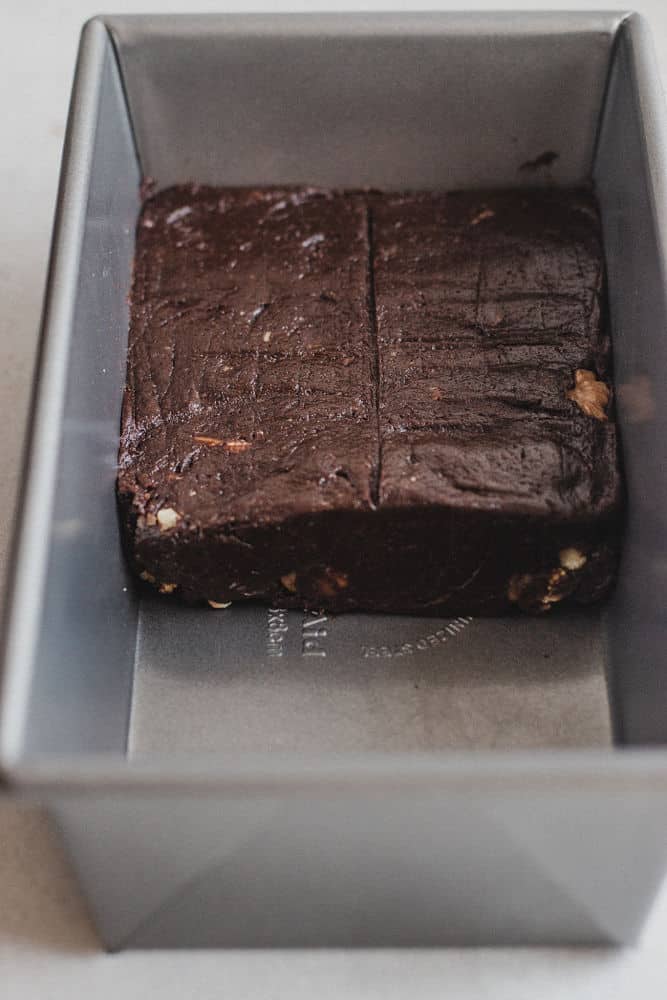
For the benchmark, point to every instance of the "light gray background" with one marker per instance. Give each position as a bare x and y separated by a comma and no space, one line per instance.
47,946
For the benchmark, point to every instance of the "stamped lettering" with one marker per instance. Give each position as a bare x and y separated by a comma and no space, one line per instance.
276,631
436,638
314,634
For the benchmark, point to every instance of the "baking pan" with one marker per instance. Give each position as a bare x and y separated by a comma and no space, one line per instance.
259,777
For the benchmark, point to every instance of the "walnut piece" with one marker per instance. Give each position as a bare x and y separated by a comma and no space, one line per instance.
536,593
332,581
516,586
553,595
205,439
340,579
237,446
590,394
486,213
220,604
167,588
289,582
148,577
167,518
572,559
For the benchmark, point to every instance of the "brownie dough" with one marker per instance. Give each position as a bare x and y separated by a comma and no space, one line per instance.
363,400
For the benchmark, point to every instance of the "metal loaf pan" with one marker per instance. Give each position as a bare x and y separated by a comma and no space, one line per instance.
254,777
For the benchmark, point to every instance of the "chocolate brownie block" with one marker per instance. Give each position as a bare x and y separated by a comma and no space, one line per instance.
494,392
390,402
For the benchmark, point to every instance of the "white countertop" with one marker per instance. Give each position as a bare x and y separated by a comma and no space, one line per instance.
48,948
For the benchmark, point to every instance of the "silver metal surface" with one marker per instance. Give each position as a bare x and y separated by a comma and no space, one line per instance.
257,679
237,796
630,176
68,611
398,100
441,862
